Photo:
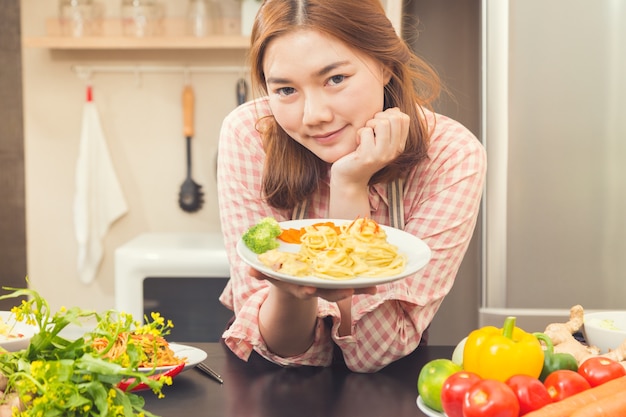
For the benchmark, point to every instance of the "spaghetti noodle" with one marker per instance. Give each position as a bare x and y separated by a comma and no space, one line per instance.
154,350
359,248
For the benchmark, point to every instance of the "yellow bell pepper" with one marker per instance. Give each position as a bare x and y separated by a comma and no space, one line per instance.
501,353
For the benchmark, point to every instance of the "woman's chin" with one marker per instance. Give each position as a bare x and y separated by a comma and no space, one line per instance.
332,156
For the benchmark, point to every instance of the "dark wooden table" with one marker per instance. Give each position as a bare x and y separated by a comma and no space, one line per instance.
261,389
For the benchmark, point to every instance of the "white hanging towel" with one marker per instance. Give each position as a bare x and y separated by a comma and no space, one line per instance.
98,200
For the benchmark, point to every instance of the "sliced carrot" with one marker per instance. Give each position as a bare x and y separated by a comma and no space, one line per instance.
290,235
569,405
611,406
294,235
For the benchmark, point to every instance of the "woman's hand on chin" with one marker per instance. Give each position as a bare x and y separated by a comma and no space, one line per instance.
379,142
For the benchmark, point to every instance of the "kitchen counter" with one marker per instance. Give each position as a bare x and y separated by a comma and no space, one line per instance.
261,389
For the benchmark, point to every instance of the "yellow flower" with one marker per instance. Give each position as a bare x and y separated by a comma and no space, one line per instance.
36,367
166,379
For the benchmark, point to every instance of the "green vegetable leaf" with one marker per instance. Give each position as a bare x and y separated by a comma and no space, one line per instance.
55,376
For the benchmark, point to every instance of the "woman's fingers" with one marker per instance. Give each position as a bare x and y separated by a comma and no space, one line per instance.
306,292
390,130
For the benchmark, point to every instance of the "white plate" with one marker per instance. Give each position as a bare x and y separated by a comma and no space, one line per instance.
194,356
427,410
23,331
417,252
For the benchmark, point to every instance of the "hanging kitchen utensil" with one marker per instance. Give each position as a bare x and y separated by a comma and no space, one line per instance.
190,198
242,91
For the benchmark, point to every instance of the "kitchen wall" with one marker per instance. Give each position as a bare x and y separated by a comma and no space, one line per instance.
142,122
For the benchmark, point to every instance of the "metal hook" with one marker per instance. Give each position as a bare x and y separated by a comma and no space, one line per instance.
83,73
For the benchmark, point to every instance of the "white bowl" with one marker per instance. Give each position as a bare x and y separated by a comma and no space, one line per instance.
19,334
605,329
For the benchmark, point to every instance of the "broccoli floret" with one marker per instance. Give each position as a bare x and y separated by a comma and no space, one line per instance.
262,236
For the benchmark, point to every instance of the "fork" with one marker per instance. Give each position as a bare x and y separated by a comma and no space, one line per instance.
207,370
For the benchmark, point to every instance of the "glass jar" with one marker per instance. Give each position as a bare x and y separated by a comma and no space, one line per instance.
77,17
141,17
230,16
203,17
249,10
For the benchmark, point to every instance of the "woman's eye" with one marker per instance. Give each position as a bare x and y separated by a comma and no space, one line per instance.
285,91
336,79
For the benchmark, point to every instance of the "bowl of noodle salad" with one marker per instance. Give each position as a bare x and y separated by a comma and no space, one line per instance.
14,335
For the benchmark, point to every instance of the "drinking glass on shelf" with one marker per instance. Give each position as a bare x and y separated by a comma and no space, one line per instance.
141,17
230,16
79,18
201,17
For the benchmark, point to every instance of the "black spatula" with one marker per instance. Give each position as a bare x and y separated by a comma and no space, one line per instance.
190,198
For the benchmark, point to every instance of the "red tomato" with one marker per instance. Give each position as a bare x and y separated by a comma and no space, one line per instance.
453,392
490,398
597,370
564,383
530,392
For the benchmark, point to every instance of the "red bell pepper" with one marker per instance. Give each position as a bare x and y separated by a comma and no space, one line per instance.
131,385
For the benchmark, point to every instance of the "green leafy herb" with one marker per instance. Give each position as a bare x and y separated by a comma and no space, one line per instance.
55,376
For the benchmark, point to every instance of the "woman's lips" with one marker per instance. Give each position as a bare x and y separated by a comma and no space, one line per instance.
327,137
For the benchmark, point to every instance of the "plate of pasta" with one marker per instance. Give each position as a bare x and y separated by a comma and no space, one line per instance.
179,359
191,356
158,355
334,253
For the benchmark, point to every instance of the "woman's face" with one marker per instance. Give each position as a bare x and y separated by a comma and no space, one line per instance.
321,91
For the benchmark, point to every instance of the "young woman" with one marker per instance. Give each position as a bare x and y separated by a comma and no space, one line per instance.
342,129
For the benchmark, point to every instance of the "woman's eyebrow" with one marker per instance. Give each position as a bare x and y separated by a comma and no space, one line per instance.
322,72
331,67
277,80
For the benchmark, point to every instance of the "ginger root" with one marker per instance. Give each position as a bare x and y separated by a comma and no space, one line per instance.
562,336
618,354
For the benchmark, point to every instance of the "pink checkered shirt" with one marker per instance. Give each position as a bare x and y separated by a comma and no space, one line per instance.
441,202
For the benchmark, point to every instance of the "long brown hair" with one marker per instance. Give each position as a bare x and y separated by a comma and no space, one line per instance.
291,171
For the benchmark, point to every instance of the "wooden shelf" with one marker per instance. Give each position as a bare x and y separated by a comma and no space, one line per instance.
124,42
111,37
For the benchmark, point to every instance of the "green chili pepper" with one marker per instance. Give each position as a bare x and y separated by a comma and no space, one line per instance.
554,361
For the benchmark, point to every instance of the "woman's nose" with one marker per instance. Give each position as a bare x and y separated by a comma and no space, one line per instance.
316,110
